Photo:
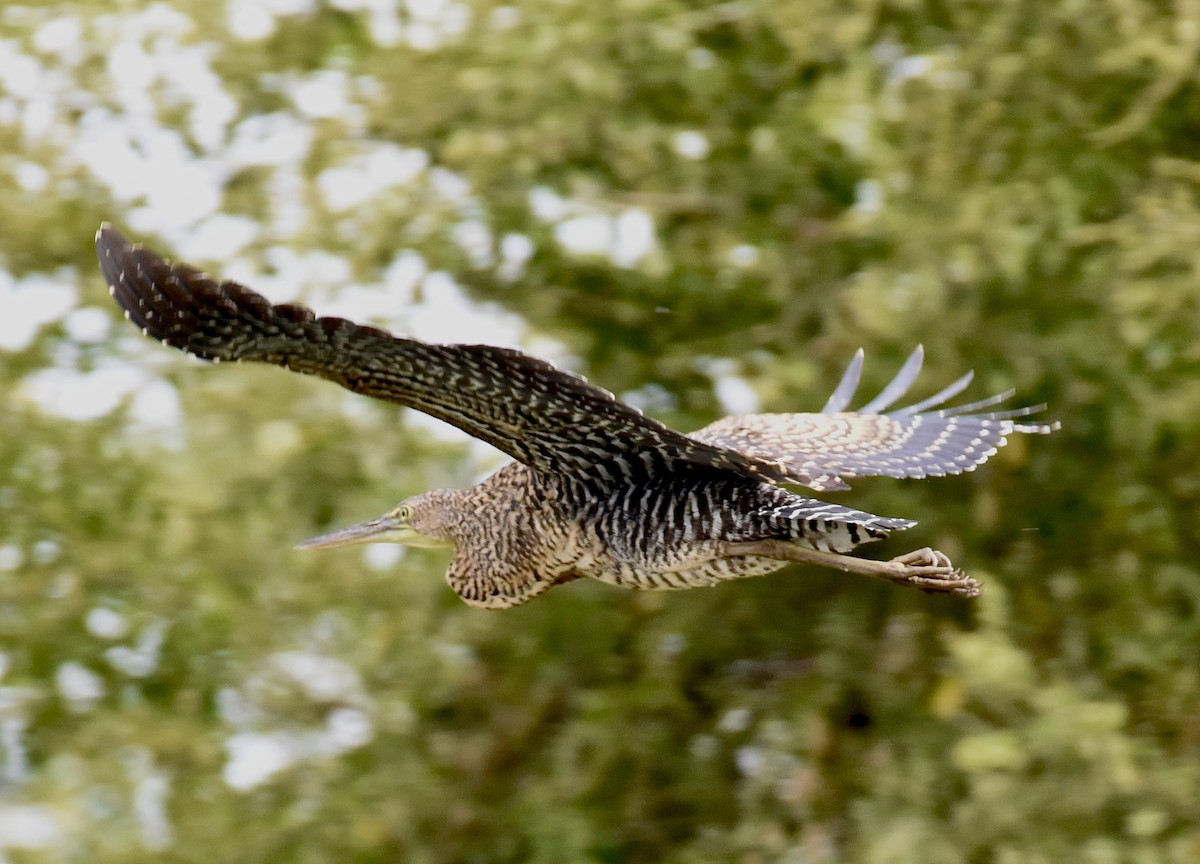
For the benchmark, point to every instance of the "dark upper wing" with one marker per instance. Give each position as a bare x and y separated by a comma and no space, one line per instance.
549,419
916,441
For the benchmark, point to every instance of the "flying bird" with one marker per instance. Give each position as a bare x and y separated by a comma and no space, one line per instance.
597,488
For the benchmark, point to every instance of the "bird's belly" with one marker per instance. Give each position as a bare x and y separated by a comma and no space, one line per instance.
695,571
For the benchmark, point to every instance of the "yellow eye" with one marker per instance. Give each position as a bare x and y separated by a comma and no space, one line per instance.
402,513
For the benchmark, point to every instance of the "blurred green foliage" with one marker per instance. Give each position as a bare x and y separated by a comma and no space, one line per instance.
1013,184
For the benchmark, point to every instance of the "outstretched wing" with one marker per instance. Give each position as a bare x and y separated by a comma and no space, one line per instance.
921,440
551,420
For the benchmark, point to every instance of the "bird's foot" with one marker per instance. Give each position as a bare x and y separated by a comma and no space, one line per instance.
930,571
925,569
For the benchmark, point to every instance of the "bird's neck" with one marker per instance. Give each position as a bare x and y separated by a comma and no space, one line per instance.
443,514
501,504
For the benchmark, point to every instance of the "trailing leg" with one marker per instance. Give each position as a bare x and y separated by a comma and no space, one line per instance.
926,569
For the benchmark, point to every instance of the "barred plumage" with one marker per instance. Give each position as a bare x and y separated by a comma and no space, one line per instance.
817,450
599,489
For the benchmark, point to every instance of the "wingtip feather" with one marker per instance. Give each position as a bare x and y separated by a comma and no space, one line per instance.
899,385
846,388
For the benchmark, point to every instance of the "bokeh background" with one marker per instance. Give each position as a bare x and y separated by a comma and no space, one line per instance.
705,207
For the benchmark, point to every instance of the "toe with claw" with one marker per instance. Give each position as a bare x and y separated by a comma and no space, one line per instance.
931,571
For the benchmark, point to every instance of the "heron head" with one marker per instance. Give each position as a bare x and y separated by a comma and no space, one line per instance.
425,520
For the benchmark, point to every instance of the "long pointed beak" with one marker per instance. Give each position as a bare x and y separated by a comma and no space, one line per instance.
363,532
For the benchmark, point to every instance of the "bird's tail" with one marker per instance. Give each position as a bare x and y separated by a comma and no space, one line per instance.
832,527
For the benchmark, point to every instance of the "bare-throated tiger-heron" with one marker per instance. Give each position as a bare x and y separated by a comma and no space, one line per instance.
597,489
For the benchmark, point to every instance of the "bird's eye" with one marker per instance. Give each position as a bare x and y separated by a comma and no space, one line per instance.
403,513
